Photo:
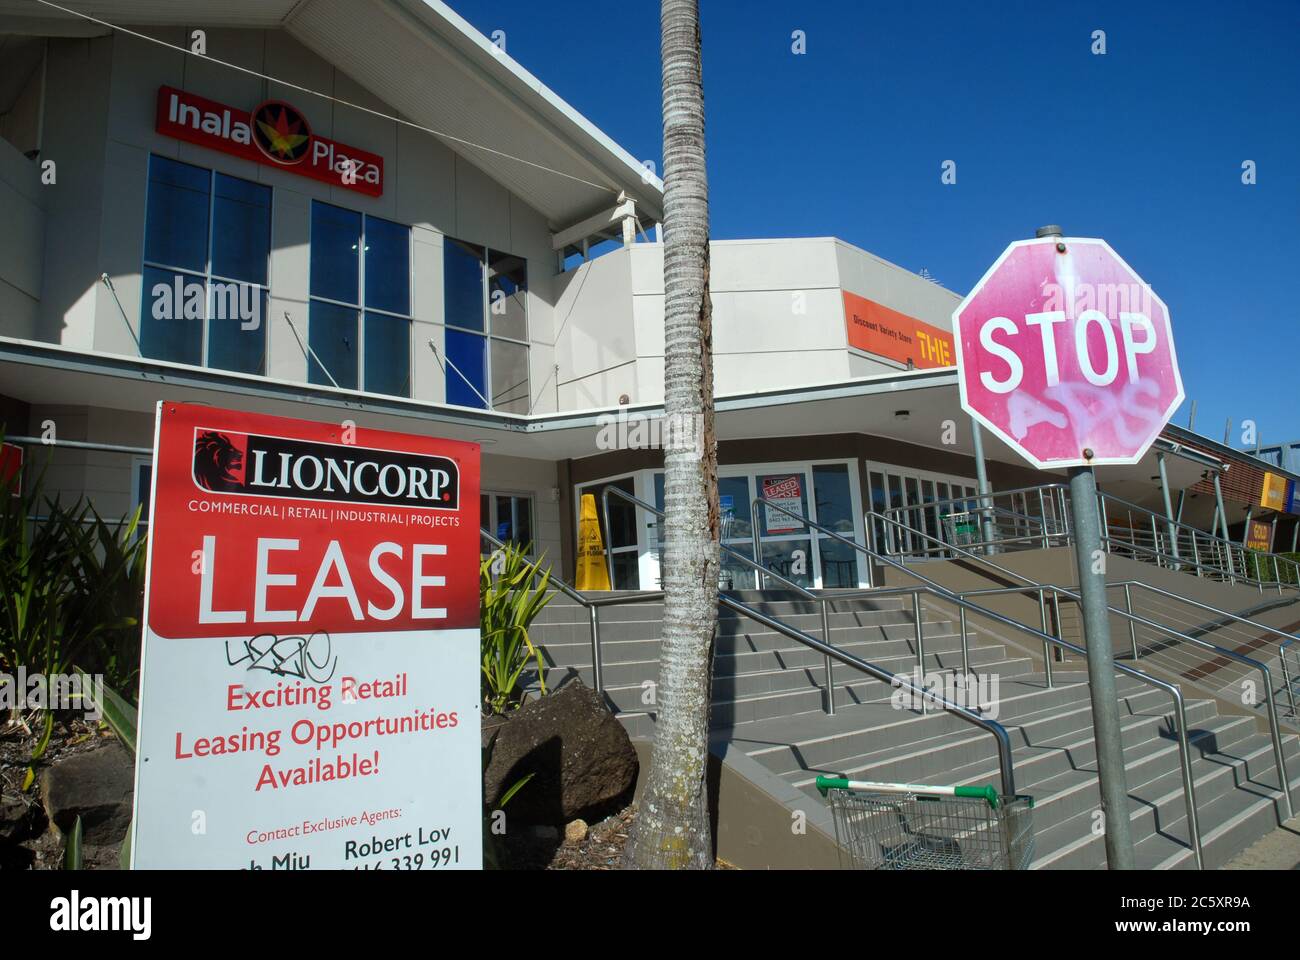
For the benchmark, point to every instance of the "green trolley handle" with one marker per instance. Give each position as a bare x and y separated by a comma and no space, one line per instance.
986,793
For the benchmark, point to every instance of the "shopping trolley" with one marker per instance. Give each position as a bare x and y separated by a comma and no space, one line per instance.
961,529
909,826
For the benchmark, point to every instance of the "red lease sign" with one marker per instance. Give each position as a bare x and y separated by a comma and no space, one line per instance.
1061,348
273,134
289,526
310,668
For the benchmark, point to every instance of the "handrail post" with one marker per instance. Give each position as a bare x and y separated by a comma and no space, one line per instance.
1042,517
1284,782
920,642
830,668
1286,676
1189,787
1132,624
597,669
1047,647
965,648
754,535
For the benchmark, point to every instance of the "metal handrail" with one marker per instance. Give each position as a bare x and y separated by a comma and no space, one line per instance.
1133,619
937,589
802,591
1159,520
1286,674
1175,693
1287,638
999,733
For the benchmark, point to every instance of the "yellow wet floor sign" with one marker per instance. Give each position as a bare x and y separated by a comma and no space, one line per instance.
592,572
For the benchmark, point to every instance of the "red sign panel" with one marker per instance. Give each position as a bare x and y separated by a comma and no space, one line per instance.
274,134
302,527
11,467
1062,349
874,328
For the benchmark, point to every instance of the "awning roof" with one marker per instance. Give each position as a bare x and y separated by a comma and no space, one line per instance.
39,373
426,61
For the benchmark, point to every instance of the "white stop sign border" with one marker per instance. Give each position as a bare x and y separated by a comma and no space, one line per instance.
1017,445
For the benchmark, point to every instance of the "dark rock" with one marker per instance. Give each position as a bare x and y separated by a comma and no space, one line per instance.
579,754
21,818
98,786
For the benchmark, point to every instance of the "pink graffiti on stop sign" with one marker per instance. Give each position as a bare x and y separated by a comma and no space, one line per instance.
1062,352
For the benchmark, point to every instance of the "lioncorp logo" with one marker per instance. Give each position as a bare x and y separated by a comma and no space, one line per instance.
254,465
281,132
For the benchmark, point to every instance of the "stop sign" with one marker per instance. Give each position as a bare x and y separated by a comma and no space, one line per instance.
1062,348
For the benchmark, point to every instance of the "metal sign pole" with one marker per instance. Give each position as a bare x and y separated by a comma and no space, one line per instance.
1101,667
982,482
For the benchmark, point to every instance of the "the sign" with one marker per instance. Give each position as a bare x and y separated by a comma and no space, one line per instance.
11,468
309,684
274,134
1260,536
1292,499
1273,493
876,329
591,569
783,492
1062,348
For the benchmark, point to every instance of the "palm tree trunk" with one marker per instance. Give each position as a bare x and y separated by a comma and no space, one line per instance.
672,824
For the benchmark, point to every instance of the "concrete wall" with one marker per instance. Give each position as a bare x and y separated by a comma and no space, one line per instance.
778,317
22,242
100,130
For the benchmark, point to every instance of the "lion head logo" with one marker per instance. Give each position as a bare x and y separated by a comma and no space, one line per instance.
218,463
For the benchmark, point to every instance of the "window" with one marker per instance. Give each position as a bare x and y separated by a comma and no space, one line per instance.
485,295
206,246
141,486
787,545
508,517
359,320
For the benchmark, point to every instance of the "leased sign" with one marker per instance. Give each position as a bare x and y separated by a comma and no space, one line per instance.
309,682
274,134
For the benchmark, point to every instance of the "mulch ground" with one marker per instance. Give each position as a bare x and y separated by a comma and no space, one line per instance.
17,741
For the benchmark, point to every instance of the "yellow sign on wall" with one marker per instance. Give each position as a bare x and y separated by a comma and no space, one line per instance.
592,572
1273,493
1260,536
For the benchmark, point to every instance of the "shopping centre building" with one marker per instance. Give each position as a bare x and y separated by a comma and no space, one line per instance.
376,215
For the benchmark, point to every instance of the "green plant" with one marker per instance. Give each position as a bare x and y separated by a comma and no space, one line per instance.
72,849
71,591
71,587
512,592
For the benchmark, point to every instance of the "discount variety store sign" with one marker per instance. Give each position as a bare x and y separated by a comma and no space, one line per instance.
309,682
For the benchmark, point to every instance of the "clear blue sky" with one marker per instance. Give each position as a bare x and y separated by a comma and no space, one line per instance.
1143,146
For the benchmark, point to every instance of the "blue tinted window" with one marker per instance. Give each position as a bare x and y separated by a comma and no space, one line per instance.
176,221
468,351
388,354
171,316
237,327
462,265
335,246
332,335
241,229
388,266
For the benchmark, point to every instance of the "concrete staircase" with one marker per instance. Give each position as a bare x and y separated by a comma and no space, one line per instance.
769,726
